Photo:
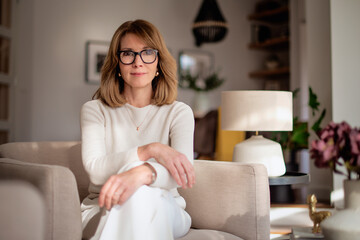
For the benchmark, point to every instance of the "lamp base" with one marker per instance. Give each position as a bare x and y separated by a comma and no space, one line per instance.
258,149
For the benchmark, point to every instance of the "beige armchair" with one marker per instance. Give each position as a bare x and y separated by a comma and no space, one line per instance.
229,200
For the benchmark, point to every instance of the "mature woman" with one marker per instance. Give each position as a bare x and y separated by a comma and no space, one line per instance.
137,142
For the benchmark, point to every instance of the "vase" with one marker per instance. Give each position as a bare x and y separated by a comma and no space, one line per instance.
201,104
344,224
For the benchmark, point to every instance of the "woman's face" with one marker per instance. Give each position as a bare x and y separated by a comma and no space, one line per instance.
137,74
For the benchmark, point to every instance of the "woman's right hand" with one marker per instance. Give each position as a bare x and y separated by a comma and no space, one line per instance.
175,162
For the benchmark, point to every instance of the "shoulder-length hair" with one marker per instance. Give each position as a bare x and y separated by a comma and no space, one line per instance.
111,90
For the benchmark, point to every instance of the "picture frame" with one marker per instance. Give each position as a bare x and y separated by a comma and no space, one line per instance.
196,63
96,52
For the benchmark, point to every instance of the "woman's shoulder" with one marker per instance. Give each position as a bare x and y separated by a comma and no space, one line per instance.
94,105
178,106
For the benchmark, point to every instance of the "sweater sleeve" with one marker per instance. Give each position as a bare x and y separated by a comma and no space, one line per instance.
97,162
181,139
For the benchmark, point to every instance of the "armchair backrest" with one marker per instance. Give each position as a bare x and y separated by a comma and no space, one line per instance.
66,154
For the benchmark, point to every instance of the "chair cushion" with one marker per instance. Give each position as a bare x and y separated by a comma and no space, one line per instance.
204,234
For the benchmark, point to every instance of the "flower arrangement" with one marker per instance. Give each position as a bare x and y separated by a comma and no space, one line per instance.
200,84
338,140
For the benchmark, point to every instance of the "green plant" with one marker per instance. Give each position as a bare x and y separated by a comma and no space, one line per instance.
298,138
209,83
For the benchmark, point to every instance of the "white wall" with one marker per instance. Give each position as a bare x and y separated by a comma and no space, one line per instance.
318,60
345,38
50,55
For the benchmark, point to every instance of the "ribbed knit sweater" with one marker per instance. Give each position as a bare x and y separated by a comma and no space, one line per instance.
110,141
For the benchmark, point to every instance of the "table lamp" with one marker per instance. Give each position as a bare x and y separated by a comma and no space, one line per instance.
258,111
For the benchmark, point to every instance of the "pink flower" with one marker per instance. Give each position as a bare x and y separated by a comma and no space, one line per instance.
337,140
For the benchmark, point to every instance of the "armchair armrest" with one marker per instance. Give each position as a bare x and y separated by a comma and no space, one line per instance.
22,211
230,197
58,186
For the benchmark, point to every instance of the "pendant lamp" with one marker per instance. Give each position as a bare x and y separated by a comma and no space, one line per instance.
209,25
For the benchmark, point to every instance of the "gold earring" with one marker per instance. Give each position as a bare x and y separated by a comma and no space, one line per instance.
119,74
157,74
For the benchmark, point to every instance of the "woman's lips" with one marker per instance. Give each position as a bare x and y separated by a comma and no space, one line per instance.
137,74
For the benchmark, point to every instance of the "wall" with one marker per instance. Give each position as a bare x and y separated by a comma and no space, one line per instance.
50,85
345,37
333,66
318,60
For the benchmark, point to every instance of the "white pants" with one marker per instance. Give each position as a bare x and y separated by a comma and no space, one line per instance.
150,213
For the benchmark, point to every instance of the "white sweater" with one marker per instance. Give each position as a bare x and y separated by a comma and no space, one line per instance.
110,141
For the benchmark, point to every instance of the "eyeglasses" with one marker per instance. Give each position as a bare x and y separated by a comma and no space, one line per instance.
148,56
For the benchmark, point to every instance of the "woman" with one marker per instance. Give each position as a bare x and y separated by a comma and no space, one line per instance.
137,142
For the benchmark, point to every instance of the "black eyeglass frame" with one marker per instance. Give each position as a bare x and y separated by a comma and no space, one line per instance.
138,53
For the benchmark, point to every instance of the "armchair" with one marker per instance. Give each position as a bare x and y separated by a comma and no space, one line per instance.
229,200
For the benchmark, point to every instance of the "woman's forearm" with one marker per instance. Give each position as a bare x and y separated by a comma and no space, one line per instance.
148,151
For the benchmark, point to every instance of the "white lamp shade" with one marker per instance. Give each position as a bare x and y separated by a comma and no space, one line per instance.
256,110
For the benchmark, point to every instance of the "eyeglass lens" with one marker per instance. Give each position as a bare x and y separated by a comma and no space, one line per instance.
147,56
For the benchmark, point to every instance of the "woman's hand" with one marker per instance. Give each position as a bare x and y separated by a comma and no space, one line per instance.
175,162
118,188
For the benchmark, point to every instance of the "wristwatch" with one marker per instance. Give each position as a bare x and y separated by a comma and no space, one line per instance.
153,172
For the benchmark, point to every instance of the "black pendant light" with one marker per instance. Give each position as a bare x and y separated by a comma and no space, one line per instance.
209,25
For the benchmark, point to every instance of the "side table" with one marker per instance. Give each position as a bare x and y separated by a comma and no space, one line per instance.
290,178
280,187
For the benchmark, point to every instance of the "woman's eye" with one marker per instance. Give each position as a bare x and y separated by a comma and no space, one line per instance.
127,54
149,52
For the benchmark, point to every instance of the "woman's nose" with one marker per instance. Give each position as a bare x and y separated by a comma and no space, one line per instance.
138,61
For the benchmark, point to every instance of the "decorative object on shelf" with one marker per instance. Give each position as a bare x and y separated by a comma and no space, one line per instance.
272,62
196,74
341,141
259,33
315,216
209,25
96,52
258,111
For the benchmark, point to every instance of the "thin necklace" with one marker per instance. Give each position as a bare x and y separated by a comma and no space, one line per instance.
133,121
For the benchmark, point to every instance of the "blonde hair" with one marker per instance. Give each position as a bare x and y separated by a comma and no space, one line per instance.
164,85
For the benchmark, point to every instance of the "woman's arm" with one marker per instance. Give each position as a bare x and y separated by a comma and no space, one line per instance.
174,163
97,162
118,188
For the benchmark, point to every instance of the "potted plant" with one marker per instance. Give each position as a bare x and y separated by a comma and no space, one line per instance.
201,86
338,141
297,139
338,148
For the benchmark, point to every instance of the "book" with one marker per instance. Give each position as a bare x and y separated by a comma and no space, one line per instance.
304,233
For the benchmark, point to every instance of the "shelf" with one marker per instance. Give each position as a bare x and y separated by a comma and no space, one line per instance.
272,44
273,16
270,73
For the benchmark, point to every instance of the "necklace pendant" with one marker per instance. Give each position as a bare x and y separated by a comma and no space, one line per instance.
137,128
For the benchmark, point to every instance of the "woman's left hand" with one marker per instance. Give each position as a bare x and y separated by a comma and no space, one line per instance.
118,188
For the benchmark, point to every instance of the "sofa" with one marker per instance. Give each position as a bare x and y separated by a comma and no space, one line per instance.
230,201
